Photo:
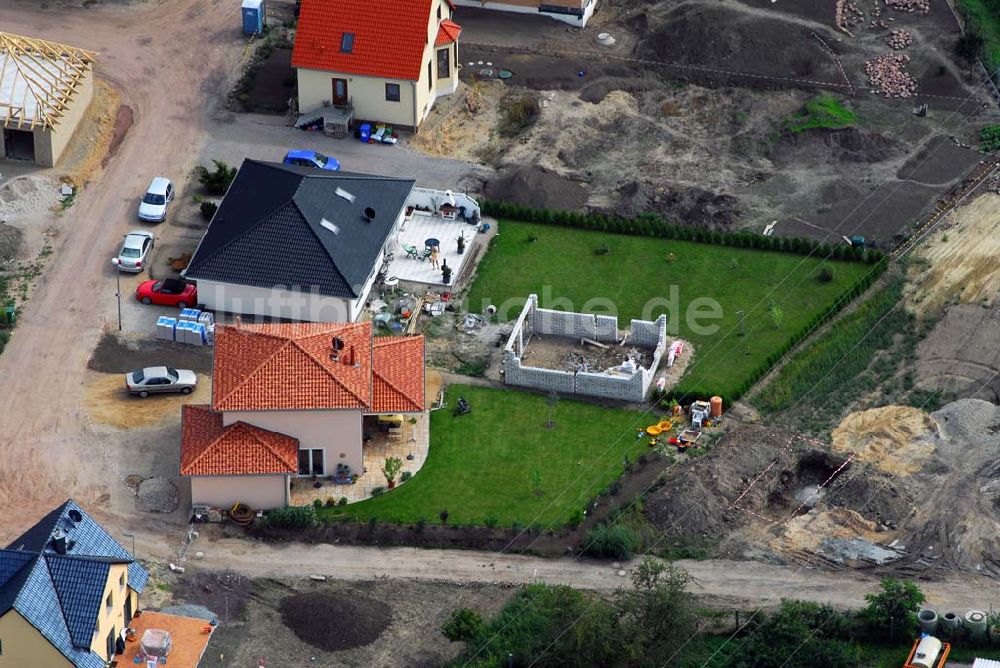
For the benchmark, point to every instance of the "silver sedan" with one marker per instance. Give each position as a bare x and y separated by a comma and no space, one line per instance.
160,379
134,254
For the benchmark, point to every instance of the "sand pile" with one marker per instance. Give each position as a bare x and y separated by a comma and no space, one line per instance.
807,532
894,439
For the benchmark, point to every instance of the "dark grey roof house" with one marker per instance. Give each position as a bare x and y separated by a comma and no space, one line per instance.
285,232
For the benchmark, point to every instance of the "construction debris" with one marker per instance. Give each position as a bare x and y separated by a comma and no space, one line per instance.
887,76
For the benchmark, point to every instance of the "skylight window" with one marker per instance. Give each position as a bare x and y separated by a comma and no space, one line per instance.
326,224
347,42
340,192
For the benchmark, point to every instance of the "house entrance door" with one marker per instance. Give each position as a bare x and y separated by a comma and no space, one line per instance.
340,92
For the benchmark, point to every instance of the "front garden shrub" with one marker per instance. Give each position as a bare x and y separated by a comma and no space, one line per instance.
330,502
462,624
378,491
208,209
217,181
317,503
405,475
342,501
491,521
443,515
617,541
291,517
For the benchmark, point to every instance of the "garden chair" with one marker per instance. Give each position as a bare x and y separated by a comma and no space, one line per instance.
411,251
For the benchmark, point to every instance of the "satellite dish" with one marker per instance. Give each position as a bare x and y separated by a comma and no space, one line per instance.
491,310
338,343
369,214
75,515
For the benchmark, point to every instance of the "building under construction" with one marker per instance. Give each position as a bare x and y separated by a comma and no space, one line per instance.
45,91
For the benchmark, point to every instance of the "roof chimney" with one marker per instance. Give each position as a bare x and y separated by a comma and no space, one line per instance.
58,541
369,214
336,345
350,357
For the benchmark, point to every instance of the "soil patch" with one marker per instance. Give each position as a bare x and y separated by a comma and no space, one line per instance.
272,84
536,187
156,495
223,592
565,353
123,122
107,402
847,145
821,11
962,256
10,242
335,623
692,204
894,439
120,353
690,35
961,355
940,162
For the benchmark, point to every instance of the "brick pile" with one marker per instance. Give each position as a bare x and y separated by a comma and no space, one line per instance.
899,39
887,76
921,6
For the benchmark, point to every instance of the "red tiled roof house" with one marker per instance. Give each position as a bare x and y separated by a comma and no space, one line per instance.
388,60
290,400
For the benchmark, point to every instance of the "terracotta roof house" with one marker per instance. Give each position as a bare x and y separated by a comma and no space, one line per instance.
291,400
387,62
298,243
68,590
573,12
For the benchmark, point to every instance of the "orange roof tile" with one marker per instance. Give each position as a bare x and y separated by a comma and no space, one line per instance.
447,33
389,37
290,367
398,375
209,448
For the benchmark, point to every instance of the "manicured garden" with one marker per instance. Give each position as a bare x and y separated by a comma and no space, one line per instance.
502,465
782,294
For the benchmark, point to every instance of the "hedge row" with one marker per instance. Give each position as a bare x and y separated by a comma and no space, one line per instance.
651,225
685,394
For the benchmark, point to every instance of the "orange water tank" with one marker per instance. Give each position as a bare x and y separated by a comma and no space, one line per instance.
716,406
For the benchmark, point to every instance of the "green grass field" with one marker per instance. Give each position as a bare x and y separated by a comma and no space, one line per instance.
985,16
562,263
824,111
501,462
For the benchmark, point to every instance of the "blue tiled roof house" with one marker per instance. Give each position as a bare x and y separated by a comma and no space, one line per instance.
68,590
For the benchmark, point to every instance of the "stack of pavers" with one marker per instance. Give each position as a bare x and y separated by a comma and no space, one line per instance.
192,326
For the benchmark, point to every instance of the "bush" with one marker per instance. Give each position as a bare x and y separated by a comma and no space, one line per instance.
603,249
330,502
421,523
824,275
208,209
291,517
378,491
517,114
217,181
405,475
617,541
491,521
989,138
576,519
342,501
463,624
443,515
317,503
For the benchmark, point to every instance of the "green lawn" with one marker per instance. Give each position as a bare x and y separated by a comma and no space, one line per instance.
562,263
985,16
824,111
501,461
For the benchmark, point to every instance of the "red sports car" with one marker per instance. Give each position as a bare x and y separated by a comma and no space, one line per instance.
169,292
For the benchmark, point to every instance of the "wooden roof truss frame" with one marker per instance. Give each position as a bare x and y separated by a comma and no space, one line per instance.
52,73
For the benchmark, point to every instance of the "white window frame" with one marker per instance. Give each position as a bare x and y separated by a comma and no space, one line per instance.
311,472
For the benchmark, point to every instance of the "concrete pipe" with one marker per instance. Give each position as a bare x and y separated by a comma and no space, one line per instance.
928,621
975,622
949,624
605,39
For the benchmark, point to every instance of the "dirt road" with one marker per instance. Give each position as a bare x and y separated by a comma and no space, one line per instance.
730,583
170,60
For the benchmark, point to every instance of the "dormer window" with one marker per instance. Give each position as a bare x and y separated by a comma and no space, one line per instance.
439,12
347,42
121,580
109,603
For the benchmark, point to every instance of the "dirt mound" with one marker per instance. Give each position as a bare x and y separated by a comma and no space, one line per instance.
335,623
536,187
690,35
10,242
894,439
691,205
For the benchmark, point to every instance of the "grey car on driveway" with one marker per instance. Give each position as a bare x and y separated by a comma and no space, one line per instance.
134,253
160,379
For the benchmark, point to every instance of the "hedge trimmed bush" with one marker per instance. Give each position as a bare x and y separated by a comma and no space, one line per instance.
651,225
291,517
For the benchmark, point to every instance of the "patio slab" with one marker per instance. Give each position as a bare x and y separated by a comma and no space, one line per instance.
415,441
415,232
188,635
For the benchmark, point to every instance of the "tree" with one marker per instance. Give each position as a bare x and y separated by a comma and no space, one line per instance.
217,181
968,47
463,624
800,634
391,469
895,609
657,614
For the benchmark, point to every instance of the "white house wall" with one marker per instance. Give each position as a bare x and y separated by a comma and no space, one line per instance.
532,7
336,432
260,492
274,303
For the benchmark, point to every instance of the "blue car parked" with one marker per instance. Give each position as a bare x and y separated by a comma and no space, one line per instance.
311,159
